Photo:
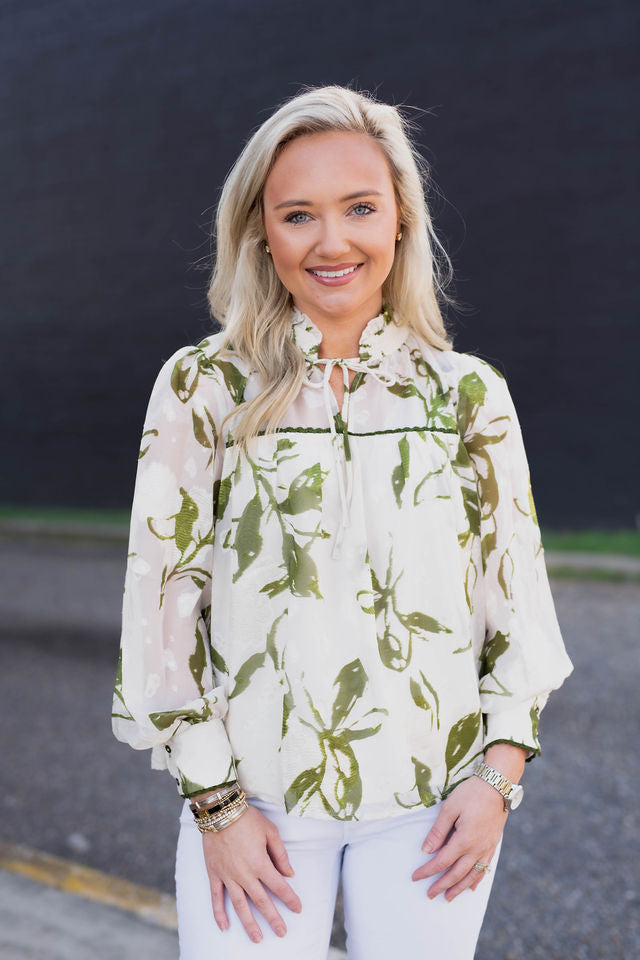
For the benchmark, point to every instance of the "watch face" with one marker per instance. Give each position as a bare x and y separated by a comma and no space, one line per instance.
516,797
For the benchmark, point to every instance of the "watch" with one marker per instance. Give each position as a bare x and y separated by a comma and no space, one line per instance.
512,793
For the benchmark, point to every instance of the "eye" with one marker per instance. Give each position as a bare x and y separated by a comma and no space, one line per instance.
369,207
290,218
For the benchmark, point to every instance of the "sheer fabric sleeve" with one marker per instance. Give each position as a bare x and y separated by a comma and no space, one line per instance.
523,657
164,696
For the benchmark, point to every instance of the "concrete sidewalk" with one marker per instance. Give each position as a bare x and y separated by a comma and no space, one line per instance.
60,607
52,909
40,922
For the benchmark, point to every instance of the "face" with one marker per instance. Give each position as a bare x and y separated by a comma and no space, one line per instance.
329,207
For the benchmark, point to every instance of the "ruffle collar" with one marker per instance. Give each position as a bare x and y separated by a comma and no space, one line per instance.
381,336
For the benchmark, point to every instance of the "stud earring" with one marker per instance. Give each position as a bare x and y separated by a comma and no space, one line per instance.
398,236
267,248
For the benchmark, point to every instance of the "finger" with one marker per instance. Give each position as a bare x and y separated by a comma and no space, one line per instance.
266,906
217,899
471,881
443,859
278,885
278,853
440,830
243,910
477,880
454,875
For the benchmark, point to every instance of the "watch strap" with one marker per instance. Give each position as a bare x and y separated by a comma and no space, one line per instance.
496,779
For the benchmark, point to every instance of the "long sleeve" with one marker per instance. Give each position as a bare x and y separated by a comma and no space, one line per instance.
164,696
523,656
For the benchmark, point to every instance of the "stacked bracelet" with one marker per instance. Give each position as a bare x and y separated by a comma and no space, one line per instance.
212,804
213,814
214,799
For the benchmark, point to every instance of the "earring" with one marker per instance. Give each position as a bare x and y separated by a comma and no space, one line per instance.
398,236
267,248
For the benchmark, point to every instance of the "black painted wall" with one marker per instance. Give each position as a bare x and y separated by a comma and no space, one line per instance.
120,121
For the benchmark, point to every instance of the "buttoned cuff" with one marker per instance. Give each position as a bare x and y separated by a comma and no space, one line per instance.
199,757
517,725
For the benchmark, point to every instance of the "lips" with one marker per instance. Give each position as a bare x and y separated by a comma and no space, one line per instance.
339,272
334,266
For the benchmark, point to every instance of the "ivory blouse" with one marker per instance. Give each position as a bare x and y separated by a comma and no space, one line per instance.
344,620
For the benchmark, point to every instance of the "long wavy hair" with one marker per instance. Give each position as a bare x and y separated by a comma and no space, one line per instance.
245,293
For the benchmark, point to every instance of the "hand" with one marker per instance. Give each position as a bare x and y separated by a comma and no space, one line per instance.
242,857
472,818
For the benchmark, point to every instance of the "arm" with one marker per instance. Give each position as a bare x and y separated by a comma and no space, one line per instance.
165,696
523,657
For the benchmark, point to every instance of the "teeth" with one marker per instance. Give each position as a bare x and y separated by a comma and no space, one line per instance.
334,273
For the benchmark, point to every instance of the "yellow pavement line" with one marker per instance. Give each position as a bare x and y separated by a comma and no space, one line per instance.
148,904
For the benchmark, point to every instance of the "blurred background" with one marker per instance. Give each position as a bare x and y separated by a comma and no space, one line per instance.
119,125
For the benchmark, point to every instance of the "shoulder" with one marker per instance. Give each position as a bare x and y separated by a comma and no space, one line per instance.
200,370
453,365
477,389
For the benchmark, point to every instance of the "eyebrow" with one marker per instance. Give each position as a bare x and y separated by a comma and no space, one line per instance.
309,203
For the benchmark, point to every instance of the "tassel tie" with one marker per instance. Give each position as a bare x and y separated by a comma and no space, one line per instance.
346,491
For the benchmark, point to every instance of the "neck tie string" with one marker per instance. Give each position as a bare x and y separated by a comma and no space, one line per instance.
346,494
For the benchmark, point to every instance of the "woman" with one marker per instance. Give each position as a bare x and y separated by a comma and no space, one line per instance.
338,632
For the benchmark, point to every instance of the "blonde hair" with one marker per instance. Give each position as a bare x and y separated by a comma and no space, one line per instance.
245,293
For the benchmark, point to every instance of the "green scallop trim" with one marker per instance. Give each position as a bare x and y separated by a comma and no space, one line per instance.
537,751
352,433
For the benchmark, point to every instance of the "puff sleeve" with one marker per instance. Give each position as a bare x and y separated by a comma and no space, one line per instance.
164,696
523,657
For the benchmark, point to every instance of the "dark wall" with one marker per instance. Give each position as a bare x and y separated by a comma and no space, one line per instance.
120,122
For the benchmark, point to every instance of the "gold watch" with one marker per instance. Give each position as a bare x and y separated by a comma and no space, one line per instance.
512,793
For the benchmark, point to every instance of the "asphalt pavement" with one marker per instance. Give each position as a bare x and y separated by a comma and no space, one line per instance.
567,888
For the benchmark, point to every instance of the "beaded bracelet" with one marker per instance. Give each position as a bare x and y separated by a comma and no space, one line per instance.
223,807
222,820
215,814
220,814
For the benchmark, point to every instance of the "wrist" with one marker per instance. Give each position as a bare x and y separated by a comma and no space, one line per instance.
508,759
221,790
511,792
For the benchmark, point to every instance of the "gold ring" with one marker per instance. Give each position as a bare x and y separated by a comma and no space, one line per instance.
482,867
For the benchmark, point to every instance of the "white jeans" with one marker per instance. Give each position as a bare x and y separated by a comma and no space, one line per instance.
386,913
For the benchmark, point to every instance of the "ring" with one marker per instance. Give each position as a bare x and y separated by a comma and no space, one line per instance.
482,867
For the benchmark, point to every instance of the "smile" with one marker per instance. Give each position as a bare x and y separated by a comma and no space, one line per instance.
336,273
334,277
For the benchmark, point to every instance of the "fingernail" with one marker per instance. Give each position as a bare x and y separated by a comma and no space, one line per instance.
427,846
292,872
223,925
280,931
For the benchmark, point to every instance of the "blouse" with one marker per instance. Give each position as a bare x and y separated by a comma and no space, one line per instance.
346,618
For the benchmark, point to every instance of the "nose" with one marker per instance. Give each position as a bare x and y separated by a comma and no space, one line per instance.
332,243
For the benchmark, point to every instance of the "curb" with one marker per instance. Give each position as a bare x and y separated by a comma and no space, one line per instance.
594,566
560,563
116,533
146,903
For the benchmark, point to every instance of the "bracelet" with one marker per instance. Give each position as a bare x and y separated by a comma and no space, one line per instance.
225,791
216,824
219,813
223,811
212,804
